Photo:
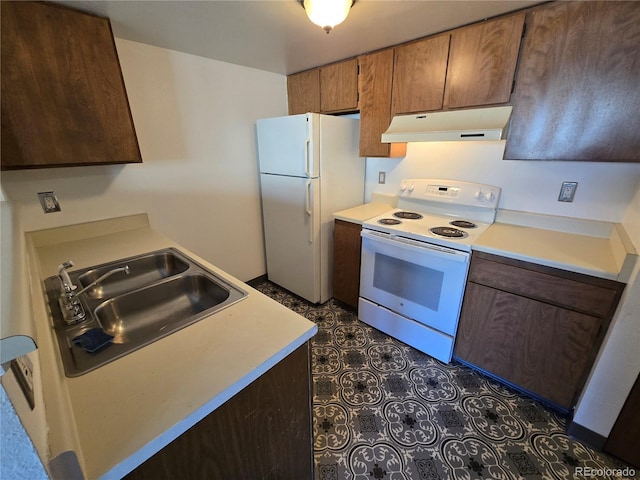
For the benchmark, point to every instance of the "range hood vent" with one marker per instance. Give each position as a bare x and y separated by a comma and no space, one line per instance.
455,125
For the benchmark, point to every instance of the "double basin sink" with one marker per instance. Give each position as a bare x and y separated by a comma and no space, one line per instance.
164,291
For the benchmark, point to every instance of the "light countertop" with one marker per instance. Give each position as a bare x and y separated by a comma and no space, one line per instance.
599,249
380,203
120,414
596,248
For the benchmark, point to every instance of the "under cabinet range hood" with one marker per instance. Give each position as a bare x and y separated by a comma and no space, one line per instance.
476,124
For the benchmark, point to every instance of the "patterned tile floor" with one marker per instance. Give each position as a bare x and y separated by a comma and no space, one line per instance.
383,410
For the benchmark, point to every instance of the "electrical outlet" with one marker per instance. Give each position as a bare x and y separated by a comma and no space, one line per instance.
382,177
23,370
49,202
567,191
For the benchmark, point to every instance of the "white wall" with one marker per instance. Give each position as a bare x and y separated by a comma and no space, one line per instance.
604,190
195,120
618,363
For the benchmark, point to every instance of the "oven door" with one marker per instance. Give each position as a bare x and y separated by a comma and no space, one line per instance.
418,280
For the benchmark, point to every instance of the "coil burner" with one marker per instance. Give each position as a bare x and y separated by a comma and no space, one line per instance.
448,232
463,224
408,215
389,221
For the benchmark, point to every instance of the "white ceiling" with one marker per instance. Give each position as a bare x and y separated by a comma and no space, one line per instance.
275,35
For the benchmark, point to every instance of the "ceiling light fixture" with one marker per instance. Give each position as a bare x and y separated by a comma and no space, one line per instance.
327,13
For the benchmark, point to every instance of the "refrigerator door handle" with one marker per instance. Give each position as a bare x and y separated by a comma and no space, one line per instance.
308,208
307,159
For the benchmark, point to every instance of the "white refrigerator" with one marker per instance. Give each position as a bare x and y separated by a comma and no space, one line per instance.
309,169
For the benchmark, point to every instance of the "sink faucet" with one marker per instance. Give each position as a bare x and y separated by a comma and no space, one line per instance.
124,269
72,310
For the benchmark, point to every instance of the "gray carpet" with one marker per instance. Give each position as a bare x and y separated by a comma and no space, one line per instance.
383,410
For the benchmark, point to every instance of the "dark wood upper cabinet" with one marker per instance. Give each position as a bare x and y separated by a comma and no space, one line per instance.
419,73
329,89
374,84
572,80
577,94
303,92
63,96
482,62
339,87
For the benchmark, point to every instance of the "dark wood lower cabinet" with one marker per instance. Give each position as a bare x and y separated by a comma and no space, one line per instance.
536,327
623,439
528,343
346,262
263,432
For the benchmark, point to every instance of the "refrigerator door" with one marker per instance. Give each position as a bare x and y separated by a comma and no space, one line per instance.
292,233
289,146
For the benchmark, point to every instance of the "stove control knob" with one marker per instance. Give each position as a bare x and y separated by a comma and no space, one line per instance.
489,196
411,187
479,195
403,187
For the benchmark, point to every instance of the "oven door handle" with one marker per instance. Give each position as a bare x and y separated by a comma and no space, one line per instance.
414,245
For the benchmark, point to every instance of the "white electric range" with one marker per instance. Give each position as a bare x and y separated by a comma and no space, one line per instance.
415,260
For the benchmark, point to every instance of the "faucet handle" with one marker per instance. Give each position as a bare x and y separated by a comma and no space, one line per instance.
67,284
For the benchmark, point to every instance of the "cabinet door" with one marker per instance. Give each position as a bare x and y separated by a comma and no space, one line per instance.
577,95
623,439
346,262
339,87
482,62
542,348
375,79
303,92
418,75
63,96
264,431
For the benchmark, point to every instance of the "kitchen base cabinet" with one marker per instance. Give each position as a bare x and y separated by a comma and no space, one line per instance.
264,431
346,262
536,327
623,439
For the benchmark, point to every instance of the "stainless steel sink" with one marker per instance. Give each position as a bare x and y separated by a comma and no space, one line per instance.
147,312
143,270
164,292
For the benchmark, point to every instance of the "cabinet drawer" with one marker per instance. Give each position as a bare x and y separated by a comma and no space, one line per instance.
573,291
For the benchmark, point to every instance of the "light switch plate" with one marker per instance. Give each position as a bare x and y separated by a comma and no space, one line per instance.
567,191
49,202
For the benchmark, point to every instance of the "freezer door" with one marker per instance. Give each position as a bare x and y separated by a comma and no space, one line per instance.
289,146
292,233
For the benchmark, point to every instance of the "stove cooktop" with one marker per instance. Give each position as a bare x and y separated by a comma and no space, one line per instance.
449,213
448,231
